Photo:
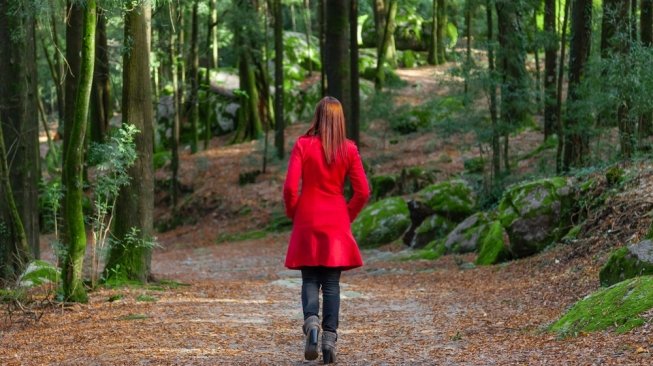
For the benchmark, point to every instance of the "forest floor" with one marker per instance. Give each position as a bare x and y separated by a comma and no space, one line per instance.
227,298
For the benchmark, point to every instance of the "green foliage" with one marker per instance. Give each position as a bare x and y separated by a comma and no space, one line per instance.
161,158
50,196
39,272
381,222
618,306
432,251
133,242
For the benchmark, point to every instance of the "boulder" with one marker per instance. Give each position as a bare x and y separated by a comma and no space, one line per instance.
383,185
466,237
418,213
432,228
628,262
536,214
494,245
381,222
39,272
453,199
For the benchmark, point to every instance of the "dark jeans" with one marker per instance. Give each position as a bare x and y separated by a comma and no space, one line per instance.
329,280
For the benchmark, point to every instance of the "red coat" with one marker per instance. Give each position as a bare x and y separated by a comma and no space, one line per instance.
321,234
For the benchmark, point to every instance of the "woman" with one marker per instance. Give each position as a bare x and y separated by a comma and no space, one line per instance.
321,243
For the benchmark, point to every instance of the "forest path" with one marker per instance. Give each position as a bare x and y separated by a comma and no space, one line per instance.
241,307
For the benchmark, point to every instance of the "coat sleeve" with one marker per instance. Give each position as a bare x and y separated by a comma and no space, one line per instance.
291,185
359,184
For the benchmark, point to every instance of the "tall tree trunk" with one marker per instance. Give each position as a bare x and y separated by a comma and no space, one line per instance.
468,47
58,75
646,37
308,26
174,139
19,119
321,12
441,29
561,69
379,80
74,229
194,80
353,124
432,57
101,94
278,80
550,55
538,69
496,133
338,67
212,44
576,143
181,54
633,21
130,259
380,8
215,63
515,88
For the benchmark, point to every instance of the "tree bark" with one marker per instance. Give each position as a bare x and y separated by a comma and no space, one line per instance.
101,94
353,124
440,52
338,67
561,69
646,37
431,57
496,133
321,12
380,8
379,80
73,220
576,143
130,260
174,139
308,26
279,123
194,80
550,65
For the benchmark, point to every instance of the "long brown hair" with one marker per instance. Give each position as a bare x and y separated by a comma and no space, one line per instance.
329,124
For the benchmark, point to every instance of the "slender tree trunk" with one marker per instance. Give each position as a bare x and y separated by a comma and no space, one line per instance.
214,36
293,20
174,139
338,69
18,142
101,93
633,21
74,229
468,48
550,55
308,26
194,80
321,12
278,80
379,80
181,63
441,30
561,70
538,69
380,8
212,44
576,141
130,260
353,123
496,133
646,37
58,75
432,58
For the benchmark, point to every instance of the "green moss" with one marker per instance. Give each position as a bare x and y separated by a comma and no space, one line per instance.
381,222
622,266
382,185
474,165
39,272
493,249
247,235
614,175
618,306
434,227
572,234
432,251
452,199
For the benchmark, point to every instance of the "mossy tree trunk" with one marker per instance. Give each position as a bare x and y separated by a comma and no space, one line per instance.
496,133
380,8
379,80
431,57
338,66
441,29
73,219
130,259
211,44
559,82
279,123
646,37
194,80
101,94
550,65
576,141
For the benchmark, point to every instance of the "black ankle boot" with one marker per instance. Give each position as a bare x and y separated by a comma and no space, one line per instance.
329,346
311,330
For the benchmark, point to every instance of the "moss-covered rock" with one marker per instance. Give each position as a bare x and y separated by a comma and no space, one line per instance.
628,262
432,251
383,185
493,248
536,214
381,222
39,272
617,306
466,237
434,227
453,199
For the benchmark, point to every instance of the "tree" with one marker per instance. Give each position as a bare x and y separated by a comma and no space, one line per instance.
212,44
575,140
431,57
194,80
381,9
74,132
646,37
440,30
353,128
174,139
278,80
385,44
130,255
338,67
550,66
101,93
515,90
496,135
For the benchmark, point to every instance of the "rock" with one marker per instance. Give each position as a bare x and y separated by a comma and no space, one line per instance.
622,306
418,212
383,185
453,199
466,237
493,247
381,222
39,272
628,262
432,228
536,214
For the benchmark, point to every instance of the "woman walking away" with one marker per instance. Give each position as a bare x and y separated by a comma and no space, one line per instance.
321,243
